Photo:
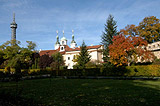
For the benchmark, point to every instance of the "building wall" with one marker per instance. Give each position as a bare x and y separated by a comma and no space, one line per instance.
93,54
155,48
68,57
157,54
100,56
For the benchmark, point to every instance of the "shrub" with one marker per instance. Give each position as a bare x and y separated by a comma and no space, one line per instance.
156,62
146,70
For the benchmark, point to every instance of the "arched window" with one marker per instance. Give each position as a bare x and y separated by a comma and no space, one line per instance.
62,42
61,48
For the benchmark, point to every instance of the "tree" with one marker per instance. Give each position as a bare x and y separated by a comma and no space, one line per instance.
83,57
35,60
57,61
123,51
1,57
45,61
17,57
107,36
129,30
149,29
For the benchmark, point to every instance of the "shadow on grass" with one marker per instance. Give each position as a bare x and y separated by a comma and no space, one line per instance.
7,99
84,92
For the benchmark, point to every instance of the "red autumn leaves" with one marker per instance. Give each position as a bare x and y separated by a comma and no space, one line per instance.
125,50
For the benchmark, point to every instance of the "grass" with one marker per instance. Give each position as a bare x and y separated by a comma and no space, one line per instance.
80,92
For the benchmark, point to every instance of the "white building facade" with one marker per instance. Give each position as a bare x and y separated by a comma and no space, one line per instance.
154,48
69,53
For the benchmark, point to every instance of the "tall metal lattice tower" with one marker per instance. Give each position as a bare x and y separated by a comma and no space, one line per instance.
13,26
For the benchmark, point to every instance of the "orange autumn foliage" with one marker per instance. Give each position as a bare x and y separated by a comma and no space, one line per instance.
125,50
129,30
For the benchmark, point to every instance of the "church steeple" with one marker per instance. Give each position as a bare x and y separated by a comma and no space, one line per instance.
63,40
73,37
57,44
73,43
13,26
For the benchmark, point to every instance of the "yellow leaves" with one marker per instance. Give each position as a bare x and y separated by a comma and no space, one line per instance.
149,28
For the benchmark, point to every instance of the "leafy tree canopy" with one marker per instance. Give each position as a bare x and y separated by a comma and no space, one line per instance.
45,61
15,55
149,29
57,61
129,30
125,50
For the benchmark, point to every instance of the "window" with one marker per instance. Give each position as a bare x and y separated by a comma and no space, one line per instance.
68,58
62,42
61,48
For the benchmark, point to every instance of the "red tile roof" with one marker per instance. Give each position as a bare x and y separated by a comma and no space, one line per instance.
88,47
49,52
67,48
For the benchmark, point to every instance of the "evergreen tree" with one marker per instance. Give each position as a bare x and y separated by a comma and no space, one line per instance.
107,36
83,57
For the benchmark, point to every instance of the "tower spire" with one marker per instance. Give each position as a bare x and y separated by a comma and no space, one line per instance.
57,44
63,33
73,37
73,43
13,17
72,32
13,26
57,38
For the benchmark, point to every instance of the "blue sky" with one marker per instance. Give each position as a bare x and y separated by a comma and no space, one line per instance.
38,20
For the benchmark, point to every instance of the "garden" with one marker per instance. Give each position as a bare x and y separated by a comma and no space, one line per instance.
26,78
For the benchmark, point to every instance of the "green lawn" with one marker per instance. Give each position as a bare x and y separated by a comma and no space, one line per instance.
80,92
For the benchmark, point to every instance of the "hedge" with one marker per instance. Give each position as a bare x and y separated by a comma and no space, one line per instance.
146,70
128,71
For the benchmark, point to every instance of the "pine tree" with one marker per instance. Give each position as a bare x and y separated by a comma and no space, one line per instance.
83,57
107,36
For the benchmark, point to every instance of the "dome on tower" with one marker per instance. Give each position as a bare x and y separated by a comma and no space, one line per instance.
63,38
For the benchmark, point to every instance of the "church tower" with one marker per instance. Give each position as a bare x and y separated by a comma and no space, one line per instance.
63,40
57,44
13,26
63,43
73,43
